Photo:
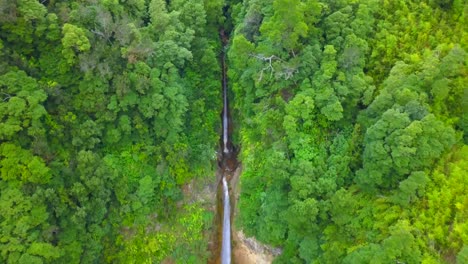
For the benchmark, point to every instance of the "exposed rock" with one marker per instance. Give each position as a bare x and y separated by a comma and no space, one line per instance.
248,250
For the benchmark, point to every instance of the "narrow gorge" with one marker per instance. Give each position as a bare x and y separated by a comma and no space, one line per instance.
227,164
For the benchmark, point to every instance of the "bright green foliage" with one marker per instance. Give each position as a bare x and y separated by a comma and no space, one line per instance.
19,166
351,118
462,256
30,9
182,239
23,219
287,25
74,40
348,112
107,109
21,107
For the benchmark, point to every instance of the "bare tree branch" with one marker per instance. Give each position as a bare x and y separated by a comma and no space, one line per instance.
7,96
287,72
269,66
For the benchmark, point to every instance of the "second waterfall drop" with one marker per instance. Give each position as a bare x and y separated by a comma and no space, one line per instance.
226,244
228,163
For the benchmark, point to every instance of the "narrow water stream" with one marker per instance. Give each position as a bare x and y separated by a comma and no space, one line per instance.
227,151
222,246
226,245
225,104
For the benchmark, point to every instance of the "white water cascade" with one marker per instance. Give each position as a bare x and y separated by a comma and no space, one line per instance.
225,114
226,168
226,244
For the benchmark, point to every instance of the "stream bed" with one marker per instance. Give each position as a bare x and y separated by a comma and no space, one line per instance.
227,164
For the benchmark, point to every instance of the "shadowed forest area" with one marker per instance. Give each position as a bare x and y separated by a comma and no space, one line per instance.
351,119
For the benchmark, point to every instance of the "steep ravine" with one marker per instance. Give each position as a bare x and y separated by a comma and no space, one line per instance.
227,163
228,245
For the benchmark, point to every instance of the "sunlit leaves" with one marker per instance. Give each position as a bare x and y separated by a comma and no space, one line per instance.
45,250
287,25
22,218
31,9
21,106
74,40
19,166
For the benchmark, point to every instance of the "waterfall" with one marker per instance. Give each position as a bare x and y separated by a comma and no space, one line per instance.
228,159
225,110
226,245
225,127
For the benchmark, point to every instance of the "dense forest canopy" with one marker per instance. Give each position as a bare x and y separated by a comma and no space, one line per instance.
351,117
353,121
107,109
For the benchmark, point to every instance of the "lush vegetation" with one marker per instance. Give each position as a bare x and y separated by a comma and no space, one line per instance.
107,108
353,120
352,117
